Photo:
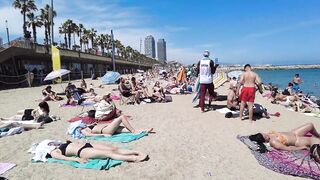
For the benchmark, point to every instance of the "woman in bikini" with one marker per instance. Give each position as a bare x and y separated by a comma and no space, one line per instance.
111,127
158,92
85,151
293,140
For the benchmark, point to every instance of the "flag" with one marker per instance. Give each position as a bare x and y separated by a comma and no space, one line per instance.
56,64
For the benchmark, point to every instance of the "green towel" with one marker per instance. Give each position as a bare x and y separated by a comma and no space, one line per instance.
98,164
122,137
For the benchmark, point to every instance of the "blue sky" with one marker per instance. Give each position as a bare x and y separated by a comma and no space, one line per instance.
235,31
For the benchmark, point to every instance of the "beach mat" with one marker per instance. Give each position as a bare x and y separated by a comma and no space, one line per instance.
4,167
295,163
122,137
97,164
219,79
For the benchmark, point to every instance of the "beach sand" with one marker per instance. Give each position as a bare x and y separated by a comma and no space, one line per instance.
187,145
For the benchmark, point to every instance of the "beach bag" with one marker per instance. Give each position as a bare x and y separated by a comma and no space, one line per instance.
168,98
91,113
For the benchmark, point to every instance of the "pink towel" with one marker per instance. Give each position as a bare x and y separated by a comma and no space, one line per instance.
4,167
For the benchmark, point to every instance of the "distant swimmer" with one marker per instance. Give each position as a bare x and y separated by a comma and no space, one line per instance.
248,80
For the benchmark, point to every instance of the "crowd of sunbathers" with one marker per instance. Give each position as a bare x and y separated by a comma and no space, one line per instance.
292,97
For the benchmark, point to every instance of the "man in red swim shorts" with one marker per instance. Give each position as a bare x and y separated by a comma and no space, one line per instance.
248,80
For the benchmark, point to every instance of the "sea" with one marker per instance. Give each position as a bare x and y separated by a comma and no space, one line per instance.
280,78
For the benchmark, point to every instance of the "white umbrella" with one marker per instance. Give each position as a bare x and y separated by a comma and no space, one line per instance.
55,74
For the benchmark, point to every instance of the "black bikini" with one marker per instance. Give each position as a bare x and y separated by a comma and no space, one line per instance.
64,146
87,145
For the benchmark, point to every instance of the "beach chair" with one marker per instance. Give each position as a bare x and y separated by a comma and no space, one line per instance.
125,100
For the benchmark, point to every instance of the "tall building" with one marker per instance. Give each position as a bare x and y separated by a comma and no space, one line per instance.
1,42
162,50
150,47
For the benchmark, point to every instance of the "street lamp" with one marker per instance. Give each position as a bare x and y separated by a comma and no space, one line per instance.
8,33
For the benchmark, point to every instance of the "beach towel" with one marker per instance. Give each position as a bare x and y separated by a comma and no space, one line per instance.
12,131
196,90
86,120
122,137
227,110
75,129
295,163
97,164
86,104
4,167
181,75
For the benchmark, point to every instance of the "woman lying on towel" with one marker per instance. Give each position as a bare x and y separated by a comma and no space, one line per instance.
9,125
111,127
41,114
293,140
85,151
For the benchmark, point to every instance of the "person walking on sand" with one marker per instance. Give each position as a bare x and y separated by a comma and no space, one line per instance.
248,80
205,69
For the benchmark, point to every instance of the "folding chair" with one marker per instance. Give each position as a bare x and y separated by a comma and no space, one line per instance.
126,100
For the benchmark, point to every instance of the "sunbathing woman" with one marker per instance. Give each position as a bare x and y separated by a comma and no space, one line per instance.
85,151
158,92
4,124
50,95
40,114
295,139
114,126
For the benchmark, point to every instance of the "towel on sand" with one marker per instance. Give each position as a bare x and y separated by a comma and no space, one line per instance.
4,167
122,137
295,163
97,164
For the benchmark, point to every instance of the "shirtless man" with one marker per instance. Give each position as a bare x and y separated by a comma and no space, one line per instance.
248,80
232,101
296,82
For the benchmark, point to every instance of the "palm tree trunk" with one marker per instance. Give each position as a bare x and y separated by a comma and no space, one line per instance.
74,39
24,18
65,40
34,29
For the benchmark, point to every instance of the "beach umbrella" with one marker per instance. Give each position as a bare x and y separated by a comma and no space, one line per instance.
110,77
56,74
219,79
235,74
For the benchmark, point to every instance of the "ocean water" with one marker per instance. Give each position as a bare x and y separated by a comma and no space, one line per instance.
310,79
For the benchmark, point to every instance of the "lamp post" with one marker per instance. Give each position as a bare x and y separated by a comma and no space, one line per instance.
113,49
8,33
52,33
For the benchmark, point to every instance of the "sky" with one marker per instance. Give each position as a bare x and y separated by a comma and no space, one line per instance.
235,31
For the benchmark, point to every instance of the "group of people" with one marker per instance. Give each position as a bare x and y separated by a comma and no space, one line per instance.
242,96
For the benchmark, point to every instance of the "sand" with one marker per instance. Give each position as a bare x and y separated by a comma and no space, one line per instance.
187,143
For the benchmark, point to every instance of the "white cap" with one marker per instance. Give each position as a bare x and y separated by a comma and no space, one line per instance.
206,53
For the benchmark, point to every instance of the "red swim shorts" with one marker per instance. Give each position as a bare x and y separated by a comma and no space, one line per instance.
248,94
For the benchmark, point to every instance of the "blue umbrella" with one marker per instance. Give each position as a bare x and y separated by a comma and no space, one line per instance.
110,77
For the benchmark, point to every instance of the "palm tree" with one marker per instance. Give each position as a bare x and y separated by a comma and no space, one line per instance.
25,6
63,30
101,41
47,21
85,39
75,30
81,28
34,22
92,35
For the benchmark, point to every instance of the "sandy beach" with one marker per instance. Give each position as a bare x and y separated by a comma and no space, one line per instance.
188,144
